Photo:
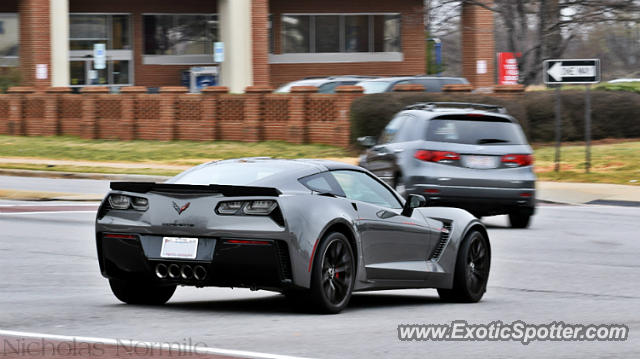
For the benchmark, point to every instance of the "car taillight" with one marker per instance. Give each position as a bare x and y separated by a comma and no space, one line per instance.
436,156
123,202
259,208
517,160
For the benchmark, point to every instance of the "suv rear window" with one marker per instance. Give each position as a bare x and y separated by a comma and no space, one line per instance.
485,130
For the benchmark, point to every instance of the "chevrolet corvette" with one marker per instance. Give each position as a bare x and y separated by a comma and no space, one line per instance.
314,230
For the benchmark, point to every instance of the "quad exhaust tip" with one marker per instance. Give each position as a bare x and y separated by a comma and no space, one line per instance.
186,272
176,271
199,273
162,271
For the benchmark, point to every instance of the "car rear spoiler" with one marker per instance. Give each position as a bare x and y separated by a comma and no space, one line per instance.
225,190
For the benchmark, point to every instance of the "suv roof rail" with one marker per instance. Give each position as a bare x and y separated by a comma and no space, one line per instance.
429,106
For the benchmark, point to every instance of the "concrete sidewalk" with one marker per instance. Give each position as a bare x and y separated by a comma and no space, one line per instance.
588,193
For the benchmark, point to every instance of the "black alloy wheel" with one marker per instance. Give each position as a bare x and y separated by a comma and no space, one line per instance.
333,274
472,270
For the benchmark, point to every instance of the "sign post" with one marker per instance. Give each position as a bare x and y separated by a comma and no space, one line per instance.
573,71
558,128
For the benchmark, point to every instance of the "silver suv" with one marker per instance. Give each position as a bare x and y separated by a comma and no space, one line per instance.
470,156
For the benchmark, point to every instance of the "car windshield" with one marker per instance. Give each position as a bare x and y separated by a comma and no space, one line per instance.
231,173
374,86
490,131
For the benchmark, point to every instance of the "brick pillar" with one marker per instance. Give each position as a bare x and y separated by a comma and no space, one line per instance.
51,123
260,41
165,130
254,112
346,96
127,122
210,102
4,114
17,95
90,96
408,88
298,132
478,44
35,42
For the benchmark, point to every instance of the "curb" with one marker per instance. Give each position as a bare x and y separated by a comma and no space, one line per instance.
78,175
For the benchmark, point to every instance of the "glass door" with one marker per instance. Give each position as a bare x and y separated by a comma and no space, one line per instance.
112,30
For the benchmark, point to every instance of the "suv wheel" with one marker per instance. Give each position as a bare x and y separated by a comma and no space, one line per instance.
519,219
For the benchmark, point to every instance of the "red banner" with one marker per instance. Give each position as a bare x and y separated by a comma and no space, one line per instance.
507,68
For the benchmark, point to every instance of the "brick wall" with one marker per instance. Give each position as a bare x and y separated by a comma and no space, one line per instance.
413,44
258,115
302,116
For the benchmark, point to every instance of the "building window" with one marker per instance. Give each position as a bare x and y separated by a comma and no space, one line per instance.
180,34
9,39
327,29
296,33
341,33
87,30
112,30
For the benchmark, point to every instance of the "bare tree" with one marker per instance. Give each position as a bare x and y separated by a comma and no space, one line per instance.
539,29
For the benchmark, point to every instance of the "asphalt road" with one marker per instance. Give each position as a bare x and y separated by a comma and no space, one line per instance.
577,264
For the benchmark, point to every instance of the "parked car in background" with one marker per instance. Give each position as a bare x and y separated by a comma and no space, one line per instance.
469,156
324,84
430,83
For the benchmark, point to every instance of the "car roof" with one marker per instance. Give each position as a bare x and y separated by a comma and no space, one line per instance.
302,164
401,78
430,114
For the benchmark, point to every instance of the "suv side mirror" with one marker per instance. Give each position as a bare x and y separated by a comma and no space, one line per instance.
413,201
367,141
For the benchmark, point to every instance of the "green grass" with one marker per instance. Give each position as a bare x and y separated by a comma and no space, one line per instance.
604,86
174,152
91,169
610,163
621,86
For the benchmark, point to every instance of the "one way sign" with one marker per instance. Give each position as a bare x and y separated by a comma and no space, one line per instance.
571,71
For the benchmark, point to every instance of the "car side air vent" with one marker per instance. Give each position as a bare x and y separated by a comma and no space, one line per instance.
284,260
445,234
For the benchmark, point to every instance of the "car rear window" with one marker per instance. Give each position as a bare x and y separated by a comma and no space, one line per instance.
231,173
484,130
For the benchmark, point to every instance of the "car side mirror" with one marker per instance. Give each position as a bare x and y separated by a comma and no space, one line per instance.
413,201
367,141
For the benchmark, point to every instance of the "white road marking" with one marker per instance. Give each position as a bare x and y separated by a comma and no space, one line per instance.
51,204
154,345
49,212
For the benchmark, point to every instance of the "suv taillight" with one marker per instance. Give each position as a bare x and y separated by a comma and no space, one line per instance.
436,156
517,160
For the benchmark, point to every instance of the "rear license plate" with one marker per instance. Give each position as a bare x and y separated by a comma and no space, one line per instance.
480,162
179,247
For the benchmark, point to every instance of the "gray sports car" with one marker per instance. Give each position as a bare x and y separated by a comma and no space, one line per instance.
314,230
